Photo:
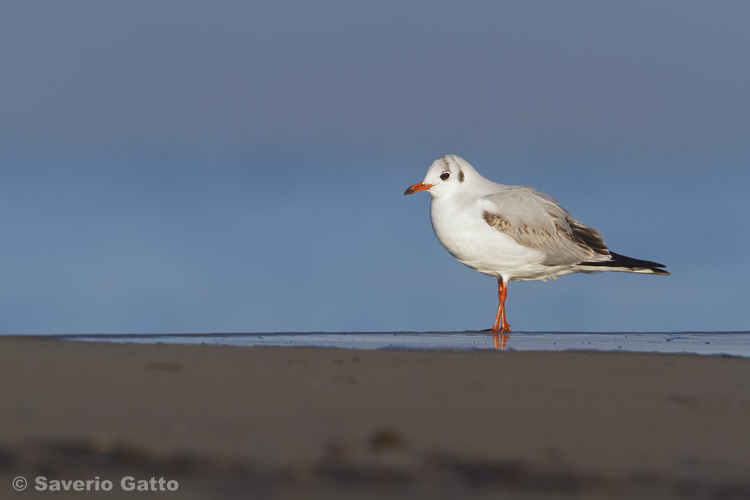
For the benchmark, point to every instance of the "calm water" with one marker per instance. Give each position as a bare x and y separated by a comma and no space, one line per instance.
731,343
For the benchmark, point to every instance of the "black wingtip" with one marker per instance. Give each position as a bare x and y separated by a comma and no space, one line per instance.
622,261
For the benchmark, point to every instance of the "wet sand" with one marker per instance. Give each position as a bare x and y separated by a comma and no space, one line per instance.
274,422
734,343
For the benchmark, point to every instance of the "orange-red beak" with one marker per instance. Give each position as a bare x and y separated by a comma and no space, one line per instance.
417,188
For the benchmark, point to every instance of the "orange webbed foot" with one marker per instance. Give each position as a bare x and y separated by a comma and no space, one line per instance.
504,329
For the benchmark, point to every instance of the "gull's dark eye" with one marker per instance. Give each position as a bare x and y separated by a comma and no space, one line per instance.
445,175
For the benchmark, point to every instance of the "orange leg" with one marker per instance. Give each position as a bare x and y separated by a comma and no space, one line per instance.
501,325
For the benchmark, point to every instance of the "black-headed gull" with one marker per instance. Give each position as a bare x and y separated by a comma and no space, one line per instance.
513,233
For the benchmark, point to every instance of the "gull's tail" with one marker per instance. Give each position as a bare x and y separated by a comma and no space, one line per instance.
625,264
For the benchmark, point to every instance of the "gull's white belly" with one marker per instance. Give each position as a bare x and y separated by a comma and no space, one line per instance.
467,237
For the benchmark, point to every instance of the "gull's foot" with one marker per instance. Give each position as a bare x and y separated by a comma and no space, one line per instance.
505,329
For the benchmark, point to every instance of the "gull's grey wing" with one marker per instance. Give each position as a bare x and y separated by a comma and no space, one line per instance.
537,221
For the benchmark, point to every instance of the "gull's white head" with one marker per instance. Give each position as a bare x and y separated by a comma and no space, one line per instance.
445,177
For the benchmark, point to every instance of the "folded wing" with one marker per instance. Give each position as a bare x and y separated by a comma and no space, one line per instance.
537,221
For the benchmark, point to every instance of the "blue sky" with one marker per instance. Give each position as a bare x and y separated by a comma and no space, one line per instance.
239,166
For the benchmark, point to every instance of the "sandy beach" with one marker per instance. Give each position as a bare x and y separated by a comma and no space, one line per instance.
270,422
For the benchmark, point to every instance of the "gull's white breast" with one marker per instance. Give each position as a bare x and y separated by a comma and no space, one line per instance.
459,226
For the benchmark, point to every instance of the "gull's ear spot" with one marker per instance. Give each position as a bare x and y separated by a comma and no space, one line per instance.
460,175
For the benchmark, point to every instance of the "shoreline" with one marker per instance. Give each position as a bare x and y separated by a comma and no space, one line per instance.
705,343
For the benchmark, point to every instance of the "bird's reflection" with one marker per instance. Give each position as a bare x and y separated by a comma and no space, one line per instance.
500,340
